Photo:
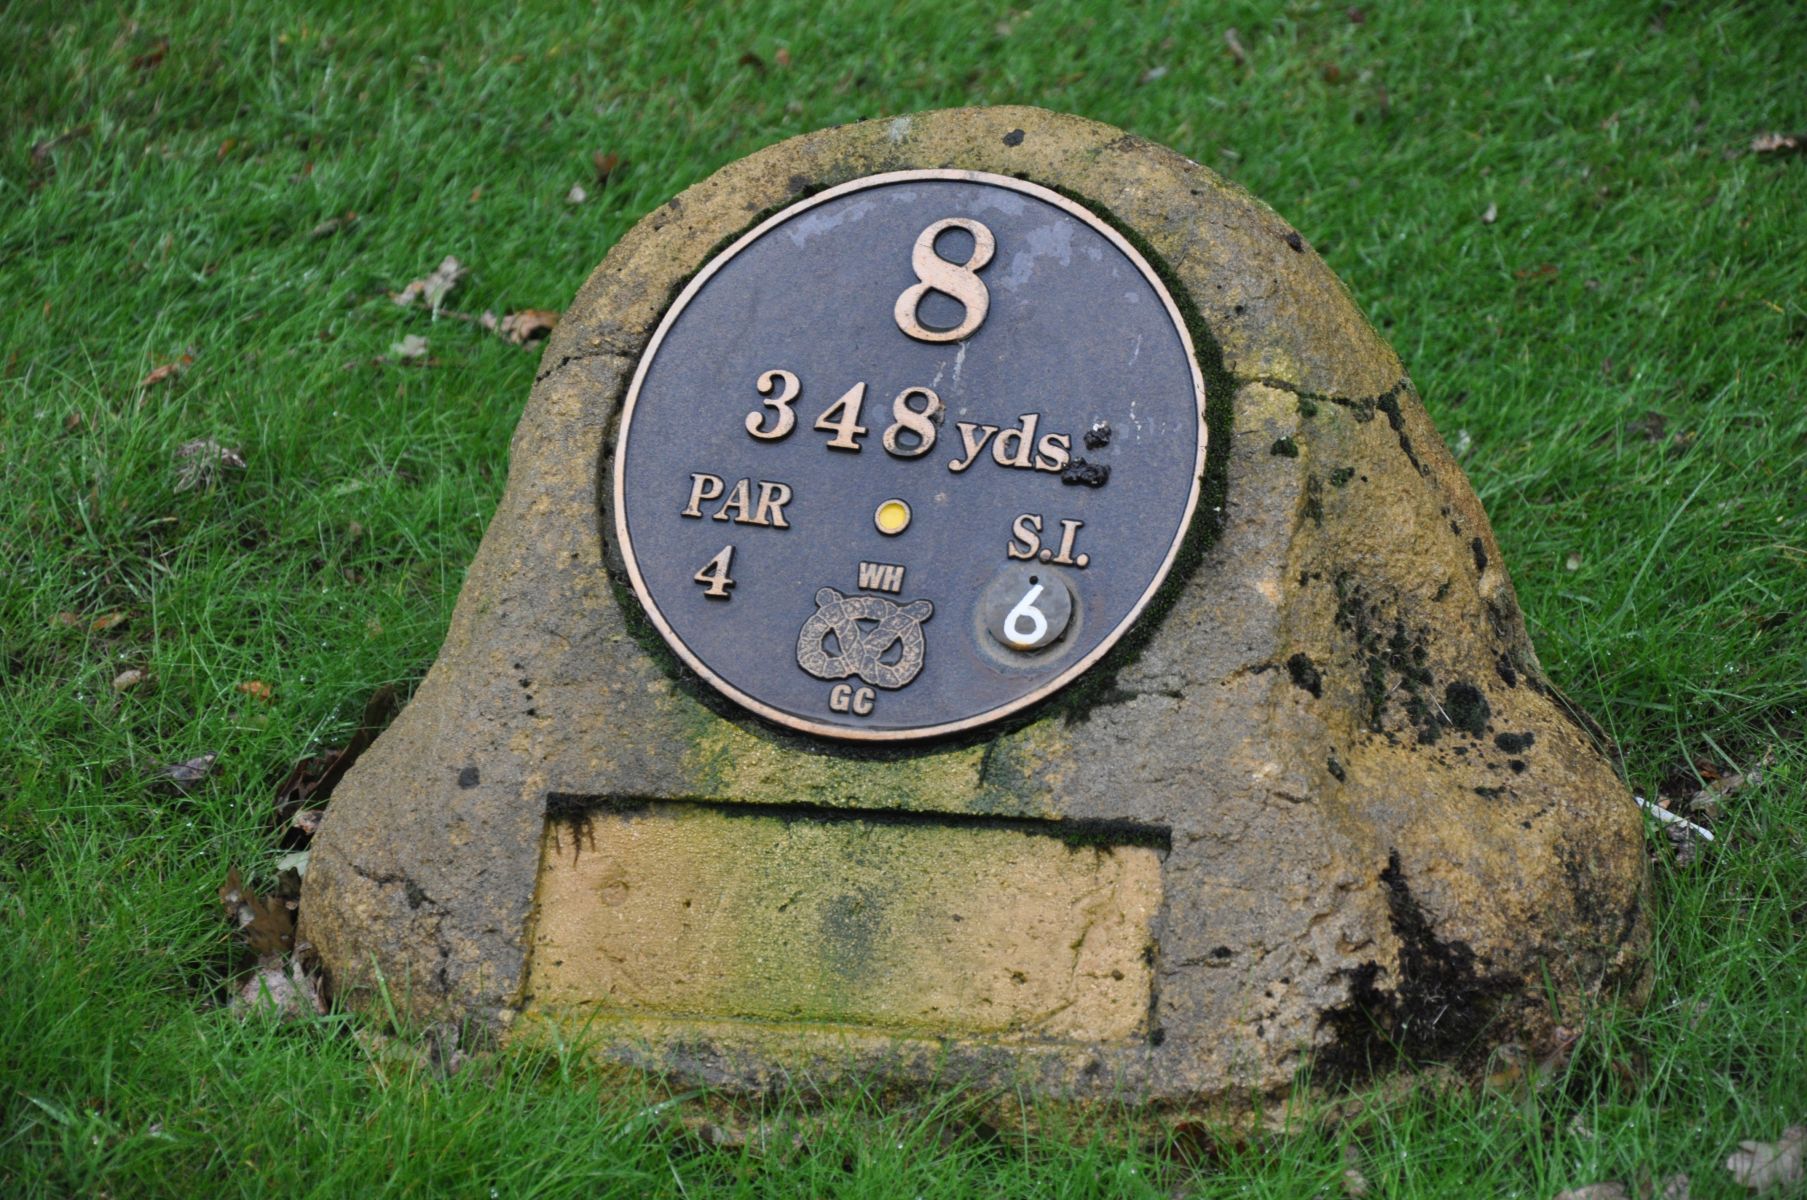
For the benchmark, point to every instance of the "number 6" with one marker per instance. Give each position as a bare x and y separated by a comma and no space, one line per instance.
1025,609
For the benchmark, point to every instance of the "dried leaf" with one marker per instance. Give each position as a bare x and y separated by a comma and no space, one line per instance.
1674,1188
488,320
151,59
1718,787
1765,1166
576,195
313,779
1233,43
1651,426
126,680
73,422
168,370
605,165
765,1137
281,989
1355,1184
435,287
257,689
184,777
68,620
199,463
1595,1191
782,56
331,226
266,923
1491,215
412,348
1779,143
41,151
1153,74
435,1051
750,59
107,621
528,325
1572,562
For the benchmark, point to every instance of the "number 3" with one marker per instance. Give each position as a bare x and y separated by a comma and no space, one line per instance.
958,280
781,404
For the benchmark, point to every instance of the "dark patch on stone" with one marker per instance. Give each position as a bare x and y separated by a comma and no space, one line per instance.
1221,952
1014,138
1314,500
1435,1010
1508,675
1308,407
1480,554
469,778
1305,675
1467,708
1336,769
1490,793
1442,592
1086,474
415,894
1295,241
1515,743
1391,662
1389,404
1517,765
1341,476
1284,448
798,184
1156,1036
1098,436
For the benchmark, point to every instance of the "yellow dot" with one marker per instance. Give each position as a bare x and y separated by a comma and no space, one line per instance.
892,517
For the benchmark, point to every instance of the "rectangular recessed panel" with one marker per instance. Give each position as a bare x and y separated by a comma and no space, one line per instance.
924,924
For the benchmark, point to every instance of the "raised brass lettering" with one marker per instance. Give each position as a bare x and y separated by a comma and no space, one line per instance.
846,428
1053,452
1026,542
1027,530
958,280
770,509
973,438
714,575
881,577
738,506
784,420
1012,447
702,488
844,697
920,422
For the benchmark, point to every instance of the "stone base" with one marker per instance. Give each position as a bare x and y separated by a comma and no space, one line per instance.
1322,808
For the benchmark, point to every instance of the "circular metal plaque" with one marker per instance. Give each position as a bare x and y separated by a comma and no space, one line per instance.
910,455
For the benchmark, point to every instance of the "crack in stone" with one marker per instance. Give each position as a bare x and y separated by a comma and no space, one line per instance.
582,356
1364,407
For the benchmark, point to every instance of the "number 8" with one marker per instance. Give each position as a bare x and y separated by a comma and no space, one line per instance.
958,280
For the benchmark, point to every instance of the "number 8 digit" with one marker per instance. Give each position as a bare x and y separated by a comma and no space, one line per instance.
957,280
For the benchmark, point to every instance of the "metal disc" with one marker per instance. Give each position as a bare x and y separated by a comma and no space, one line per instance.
884,444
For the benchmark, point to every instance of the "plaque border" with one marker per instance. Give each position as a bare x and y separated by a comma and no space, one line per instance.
617,490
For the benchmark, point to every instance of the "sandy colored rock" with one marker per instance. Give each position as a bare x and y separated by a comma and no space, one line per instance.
1381,829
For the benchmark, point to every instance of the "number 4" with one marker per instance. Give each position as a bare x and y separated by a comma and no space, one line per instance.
714,575
845,427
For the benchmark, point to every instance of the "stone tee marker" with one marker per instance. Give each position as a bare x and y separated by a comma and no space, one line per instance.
875,667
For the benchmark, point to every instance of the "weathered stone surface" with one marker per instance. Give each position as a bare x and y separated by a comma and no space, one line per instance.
1381,826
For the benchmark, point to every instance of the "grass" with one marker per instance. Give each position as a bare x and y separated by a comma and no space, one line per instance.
1640,260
